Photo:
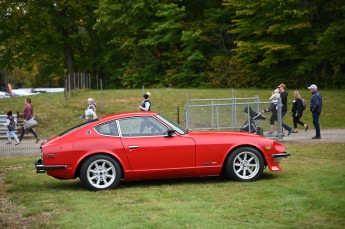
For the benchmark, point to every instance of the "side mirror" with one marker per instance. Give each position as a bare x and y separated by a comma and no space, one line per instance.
169,133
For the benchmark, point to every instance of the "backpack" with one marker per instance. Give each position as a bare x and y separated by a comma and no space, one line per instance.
304,104
12,125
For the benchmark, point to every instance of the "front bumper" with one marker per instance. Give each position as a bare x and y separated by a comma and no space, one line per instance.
279,156
41,168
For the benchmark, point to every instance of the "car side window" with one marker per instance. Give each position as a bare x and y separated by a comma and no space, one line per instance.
141,126
109,128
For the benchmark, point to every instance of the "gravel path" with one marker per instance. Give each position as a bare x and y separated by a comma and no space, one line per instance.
29,147
304,137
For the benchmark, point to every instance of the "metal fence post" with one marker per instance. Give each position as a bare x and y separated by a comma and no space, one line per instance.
233,110
187,114
280,120
212,114
257,100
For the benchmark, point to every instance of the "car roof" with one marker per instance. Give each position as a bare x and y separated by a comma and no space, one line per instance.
127,114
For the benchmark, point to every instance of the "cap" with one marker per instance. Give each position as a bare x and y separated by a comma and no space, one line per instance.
276,90
313,86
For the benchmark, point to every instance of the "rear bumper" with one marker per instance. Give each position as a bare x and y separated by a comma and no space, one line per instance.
278,157
41,168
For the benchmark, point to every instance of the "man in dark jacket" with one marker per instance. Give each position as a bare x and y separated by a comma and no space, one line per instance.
283,96
315,108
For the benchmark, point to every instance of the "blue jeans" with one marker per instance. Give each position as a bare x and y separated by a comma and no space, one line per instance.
23,132
286,127
316,123
11,133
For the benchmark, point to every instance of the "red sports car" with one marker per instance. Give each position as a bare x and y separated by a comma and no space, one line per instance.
147,145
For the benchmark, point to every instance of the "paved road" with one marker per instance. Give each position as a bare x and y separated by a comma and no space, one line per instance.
330,135
25,148
29,147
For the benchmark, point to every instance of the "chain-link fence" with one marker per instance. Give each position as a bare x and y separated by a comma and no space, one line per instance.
29,146
237,114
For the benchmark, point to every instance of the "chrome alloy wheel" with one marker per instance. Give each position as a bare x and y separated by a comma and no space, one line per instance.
246,165
101,174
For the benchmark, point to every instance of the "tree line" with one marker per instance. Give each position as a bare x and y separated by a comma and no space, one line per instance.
174,43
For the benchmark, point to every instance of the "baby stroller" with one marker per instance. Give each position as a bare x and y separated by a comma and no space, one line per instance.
249,125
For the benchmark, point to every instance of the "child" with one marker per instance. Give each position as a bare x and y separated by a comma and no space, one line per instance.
90,112
11,126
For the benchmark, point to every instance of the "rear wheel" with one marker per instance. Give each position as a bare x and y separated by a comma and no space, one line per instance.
245,164
100,172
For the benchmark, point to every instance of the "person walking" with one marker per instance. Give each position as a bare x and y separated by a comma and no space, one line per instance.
283,96
273,109
11,128
297,111
315,108
28,114
146,104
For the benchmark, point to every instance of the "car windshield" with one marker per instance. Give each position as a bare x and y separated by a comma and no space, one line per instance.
172,124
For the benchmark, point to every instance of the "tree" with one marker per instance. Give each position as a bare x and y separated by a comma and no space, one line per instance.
54,37
285,41
325,62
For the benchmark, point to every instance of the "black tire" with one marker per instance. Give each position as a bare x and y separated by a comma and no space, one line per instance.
100,172
245,164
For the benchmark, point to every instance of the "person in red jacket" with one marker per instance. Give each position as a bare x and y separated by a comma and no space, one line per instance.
28,113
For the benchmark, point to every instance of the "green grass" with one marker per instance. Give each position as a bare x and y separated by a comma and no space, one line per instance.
55,115
308,193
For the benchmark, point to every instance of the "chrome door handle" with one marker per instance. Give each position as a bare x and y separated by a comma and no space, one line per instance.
133,147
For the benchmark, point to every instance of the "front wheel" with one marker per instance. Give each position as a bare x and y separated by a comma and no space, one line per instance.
100,172
245,164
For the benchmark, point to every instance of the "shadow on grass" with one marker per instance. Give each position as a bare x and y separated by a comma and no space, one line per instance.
172,181
75,185
71,185
189,181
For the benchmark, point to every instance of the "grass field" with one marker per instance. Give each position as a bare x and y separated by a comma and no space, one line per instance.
308,193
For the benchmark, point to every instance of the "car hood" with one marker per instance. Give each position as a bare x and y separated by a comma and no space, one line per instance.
219,137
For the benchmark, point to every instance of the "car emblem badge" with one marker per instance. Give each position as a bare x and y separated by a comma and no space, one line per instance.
88,132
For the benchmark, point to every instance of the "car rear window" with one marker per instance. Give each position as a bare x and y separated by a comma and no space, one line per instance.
108,128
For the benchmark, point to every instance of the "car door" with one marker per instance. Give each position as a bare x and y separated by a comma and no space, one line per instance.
153,155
